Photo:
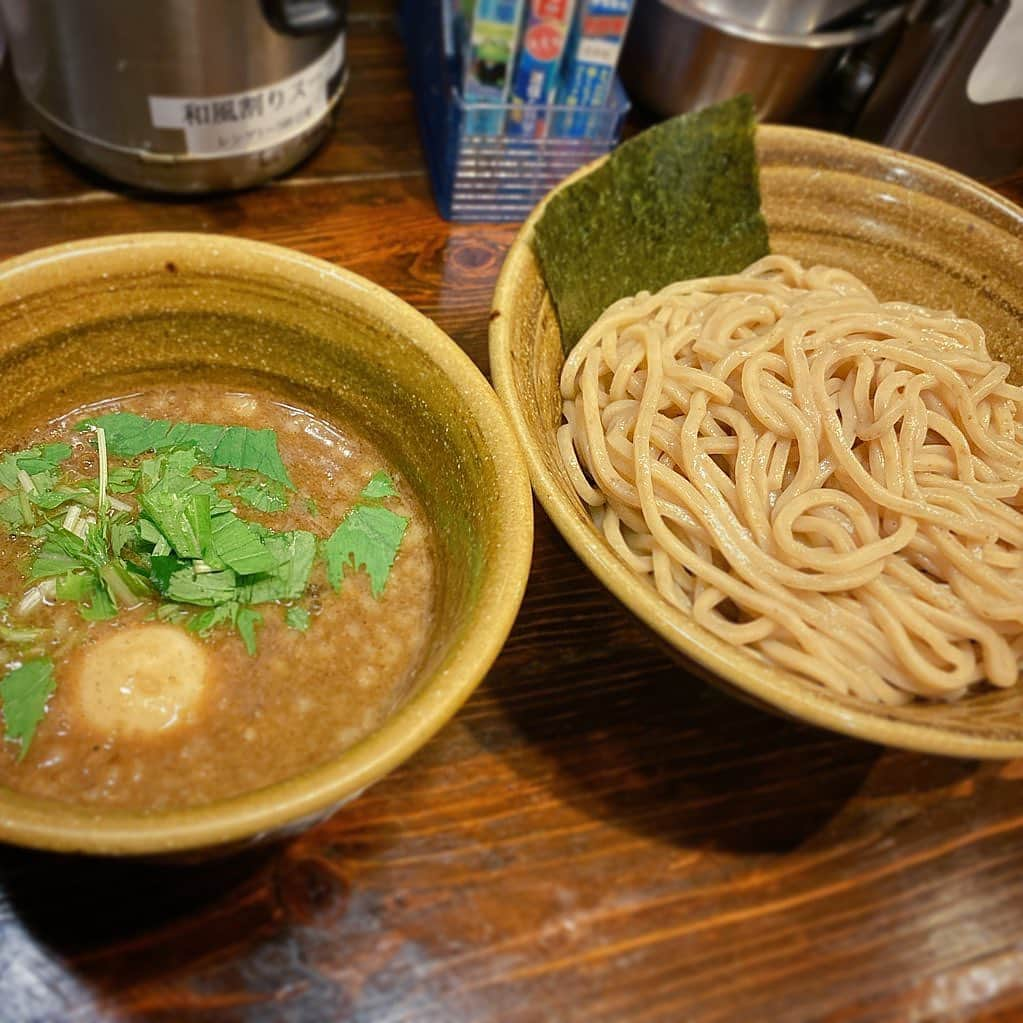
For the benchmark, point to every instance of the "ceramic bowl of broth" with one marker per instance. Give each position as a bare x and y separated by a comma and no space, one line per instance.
911,230
224,629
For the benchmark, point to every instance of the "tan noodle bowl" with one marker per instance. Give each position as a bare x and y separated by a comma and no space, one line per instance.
912,231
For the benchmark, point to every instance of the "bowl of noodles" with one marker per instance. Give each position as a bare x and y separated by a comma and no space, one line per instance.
805,477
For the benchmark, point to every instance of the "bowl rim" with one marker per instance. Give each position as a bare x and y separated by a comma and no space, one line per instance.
763,683
299,801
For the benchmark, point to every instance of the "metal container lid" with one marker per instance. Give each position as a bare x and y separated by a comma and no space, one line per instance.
785,24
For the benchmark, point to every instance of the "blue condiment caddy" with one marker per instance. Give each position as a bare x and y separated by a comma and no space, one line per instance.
492,176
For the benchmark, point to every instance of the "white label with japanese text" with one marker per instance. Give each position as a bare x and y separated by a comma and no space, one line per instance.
240,122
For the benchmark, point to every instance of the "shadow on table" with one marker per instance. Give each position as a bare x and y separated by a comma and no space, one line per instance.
82,900
635,740
115,924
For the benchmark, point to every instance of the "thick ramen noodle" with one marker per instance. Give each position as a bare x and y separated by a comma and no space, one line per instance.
149,711
829,481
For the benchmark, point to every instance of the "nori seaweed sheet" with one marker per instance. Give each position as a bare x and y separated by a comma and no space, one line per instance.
680,200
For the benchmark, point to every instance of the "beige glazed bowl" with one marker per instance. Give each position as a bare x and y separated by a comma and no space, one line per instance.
911,230
79,319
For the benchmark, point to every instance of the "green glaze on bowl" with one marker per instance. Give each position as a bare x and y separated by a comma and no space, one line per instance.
88,319
912,230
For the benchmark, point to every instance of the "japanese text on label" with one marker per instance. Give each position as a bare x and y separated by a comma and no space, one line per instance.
242,121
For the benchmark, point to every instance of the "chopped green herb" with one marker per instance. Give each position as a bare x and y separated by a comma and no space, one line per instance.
181,514
294,553
148,533
380,485
174,463
41,483
162,567
209,619
173,613
239,547
244,619
242,448
182,461
297,618
75,586
312,507
40,460
123,533
246,622
50,499
12,511
82,571
96,543
101,607
368,536
232,447
25,692
9,472
122,480
186,586
63,551
44,459
265,497
124,585
55,453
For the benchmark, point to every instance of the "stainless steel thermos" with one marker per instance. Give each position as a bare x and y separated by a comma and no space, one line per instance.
180,95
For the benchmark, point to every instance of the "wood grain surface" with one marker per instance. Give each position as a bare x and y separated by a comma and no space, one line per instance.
596,837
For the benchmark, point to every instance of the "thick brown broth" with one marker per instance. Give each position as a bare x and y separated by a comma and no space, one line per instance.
303,697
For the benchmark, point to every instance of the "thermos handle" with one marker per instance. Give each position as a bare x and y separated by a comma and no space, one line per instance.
305,17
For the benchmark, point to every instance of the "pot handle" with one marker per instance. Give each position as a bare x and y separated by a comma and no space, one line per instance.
305,17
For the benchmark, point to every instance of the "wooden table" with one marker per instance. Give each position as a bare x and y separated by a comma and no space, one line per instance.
596,837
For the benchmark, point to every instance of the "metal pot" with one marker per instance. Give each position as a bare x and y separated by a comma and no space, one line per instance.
181,95
681,56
